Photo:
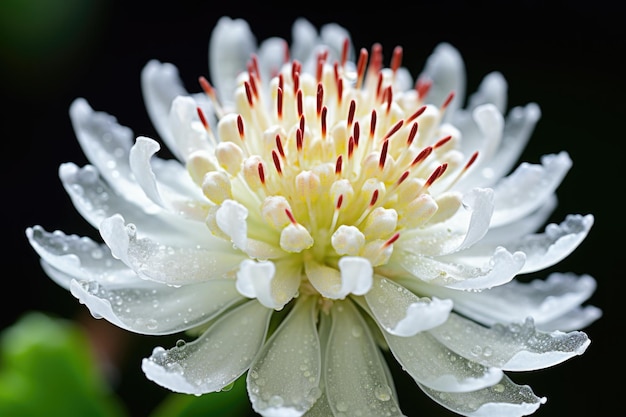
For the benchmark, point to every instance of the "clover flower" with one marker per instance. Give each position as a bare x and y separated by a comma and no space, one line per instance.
321,208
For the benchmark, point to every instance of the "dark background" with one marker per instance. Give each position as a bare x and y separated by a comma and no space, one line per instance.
567,57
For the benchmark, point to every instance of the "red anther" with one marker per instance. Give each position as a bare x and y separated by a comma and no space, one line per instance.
296,82
389,97
377,57
339,164
255,92
202,118
412,133
320,98
373,124
319,68
299,103
471,160
438,172
394,129
324,114
360,67
281,81
391,240
248,93
255,65
396,59
442,142
261,171
286,56
290,215
339,202
403,177
302,122
350,147
379,85
345,48
351,112
240,126
447,100
299,139
206,87
276,162
279,103
356,133
422,86
422,155
279,146
417,114
339,90
374,198
383,154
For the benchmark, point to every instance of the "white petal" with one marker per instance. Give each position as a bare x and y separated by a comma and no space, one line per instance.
284,378
528,188
500,269
515,347
167,264
356,375
544,300
432,364
160,84
446,69
148,307
492,89
107,145
95,201
576,318
139,159
231,218
402,313
356,275
188,132
491,124
230,47
558,241
217,358
76,256
504,399
260,280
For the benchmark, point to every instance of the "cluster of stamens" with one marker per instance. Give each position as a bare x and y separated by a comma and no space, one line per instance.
331,164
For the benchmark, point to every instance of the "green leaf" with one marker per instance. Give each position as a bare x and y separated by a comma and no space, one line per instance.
232,403
47,368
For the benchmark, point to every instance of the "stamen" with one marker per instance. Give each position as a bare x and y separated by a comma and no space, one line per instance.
422,155
394,129
383,155
389,97
391,240
324,112
396,60
345,48
240,126
290,215
373,124
438,172
360,68
339,91
299,103
447,100
210,92
203,119
403,177
442,142
339,202
351,112
417,114
374,198
379,86
338,165
350,147
320,98
356,132
299,140
252,78
277,162
302,123
412,133
279,103
279,146
422,86
248,94
261,173
295,75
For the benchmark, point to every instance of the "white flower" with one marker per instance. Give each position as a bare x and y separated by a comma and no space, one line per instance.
372,211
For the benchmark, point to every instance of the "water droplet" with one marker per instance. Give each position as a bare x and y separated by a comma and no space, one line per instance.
383,393
180,343
498,388
341,406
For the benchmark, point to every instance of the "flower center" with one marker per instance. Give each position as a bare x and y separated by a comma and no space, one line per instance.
326,165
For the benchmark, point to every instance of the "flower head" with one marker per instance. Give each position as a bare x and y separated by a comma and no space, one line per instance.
360,209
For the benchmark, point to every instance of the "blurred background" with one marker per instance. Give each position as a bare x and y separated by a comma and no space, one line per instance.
567,57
